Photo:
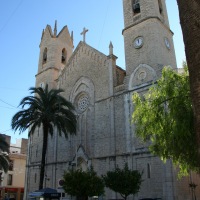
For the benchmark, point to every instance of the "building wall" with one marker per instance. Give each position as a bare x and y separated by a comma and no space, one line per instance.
18,171
17,155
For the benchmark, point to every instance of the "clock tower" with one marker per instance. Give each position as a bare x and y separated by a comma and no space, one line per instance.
148,41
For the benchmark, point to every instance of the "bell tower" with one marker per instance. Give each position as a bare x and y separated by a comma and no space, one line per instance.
147,39
55,51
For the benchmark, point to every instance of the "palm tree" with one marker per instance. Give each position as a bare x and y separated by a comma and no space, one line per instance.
190,24
4,150
47,108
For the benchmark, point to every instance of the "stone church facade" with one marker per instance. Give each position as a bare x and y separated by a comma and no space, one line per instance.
102,92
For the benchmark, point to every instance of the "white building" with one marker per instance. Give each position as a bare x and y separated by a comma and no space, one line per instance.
12,182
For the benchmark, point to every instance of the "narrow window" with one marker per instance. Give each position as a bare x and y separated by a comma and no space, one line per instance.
136,6
64,55
10,179
160,6
11,164
45,56
39,127
36,153
42,86
35,178
148,170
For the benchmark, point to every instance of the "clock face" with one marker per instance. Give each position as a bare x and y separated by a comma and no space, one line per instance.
138,42
167,43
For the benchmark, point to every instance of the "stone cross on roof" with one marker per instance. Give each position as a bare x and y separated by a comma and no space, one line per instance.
84,33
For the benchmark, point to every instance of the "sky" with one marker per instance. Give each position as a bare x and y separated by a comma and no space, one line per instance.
21,25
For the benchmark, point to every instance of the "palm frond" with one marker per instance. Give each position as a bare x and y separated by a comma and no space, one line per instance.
4,161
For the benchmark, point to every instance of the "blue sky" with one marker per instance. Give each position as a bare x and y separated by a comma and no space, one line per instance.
21,25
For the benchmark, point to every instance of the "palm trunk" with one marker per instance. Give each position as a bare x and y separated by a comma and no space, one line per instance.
44,150
189,12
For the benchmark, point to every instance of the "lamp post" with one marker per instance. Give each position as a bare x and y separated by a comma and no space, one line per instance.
193,187
45,180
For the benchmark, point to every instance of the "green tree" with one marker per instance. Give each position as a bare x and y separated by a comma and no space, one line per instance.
47,108
4,150
124,181
83,184
164,116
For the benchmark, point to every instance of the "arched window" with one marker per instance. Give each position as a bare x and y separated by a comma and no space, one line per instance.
64,56
45,56
160,6
136,6
42,85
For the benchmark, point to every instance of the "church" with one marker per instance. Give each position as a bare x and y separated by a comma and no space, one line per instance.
102,92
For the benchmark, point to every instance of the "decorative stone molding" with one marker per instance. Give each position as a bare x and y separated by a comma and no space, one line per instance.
83,85
142,75
81,159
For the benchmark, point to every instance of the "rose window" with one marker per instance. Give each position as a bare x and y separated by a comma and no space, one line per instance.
83,103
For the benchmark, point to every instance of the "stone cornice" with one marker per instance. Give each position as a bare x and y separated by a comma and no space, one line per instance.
46,70
145,19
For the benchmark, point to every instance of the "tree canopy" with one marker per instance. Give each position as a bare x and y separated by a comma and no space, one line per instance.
83,184
46,107
124,181
164,116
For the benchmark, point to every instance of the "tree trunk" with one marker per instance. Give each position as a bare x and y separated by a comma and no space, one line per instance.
189,12
44,150
82,198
